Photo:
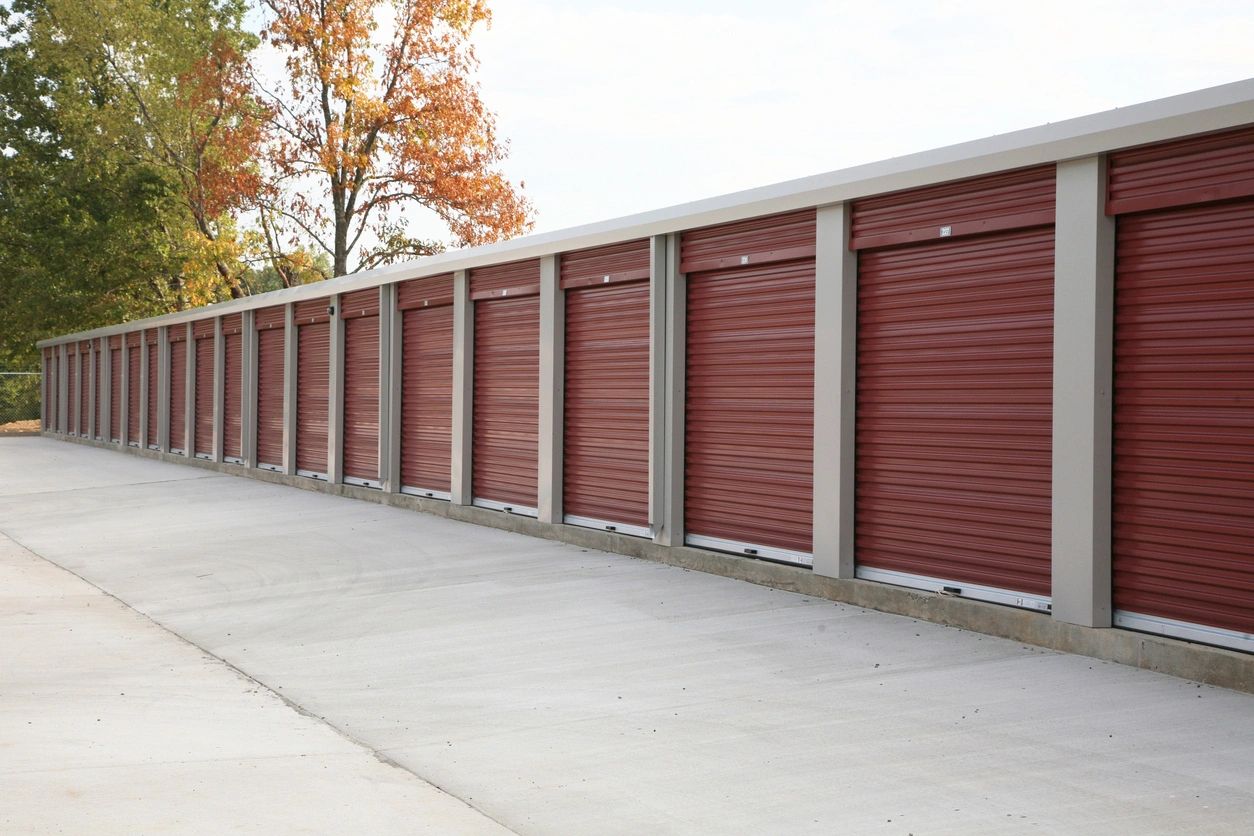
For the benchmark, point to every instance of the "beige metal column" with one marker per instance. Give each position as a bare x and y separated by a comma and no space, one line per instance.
289,390
658,400
675,292
389,390
1084,303
463,388
835,369
552,401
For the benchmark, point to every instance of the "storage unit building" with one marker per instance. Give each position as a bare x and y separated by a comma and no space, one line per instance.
749,408
505,454
954,386
233,388
313,387
605,462
270,324
202,423
426,432
1183,503
360,312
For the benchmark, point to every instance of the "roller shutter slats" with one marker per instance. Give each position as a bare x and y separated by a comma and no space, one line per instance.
204,391
628,261
425,293
132,391
506,399
1183,505
606,421
361,390
516,278
427,395
97,427
150,340
232,394
84,390
115,389
178,392
750,388
954,399
271,344
1193,170
313,367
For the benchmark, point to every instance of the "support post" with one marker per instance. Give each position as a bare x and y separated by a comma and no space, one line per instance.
552,402
658,246
389,391
1084,303
671,532
835,369
463,388
189,393
289,389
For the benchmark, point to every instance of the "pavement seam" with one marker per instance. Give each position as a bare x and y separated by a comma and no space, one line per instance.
378,754
120,485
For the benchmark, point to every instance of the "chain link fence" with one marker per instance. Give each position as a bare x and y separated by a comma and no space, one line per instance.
20,394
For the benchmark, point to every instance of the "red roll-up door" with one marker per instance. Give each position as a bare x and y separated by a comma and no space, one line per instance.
153,392
954,387
84,389
115,388
134,381
749,407
232,388
505,452
313,386
98,370
202,332
605,481
47,381
177,335
1183,466
271,345
426,307
71,389
360,312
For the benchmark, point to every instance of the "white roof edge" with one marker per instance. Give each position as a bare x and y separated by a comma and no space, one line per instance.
1201,111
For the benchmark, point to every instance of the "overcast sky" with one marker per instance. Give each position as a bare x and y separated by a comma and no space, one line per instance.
614,107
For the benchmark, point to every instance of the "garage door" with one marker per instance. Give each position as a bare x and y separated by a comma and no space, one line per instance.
232,388
505,453
177,335
134,382
426,307
115,389
271,344
360,312
98,389
202,331
49,383
606,418
152,390
749,407
313,388
954,387
1183,504
84,389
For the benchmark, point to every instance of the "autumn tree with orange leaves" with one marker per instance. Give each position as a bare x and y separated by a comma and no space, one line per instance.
379,111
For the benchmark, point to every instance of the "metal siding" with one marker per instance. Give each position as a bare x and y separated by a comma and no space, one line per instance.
427,398
360,303
1008,200
425,293
628,261
232,393
115,388
312,312
750,242
47,388
84,390
150,339
204,393
504,280
606,420
1183,504
134,381
98,382
1193,170
954,397
71,391
313,368
271,343
361,395
178,393
266,319
505,454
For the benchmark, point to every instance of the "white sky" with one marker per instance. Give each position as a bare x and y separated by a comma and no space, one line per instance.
614,107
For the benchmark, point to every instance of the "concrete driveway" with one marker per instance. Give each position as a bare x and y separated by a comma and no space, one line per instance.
559,690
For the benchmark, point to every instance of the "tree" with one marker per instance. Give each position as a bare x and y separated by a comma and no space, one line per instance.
384,118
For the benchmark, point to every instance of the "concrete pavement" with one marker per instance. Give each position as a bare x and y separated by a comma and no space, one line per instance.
560,690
